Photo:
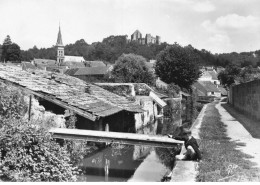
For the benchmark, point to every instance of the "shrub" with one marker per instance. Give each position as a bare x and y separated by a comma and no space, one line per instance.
28,153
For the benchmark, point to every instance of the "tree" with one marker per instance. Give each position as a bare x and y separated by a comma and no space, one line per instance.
228,76
132,68
10,51
13,53
177,65
7,42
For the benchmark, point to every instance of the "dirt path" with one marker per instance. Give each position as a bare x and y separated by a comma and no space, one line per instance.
237,132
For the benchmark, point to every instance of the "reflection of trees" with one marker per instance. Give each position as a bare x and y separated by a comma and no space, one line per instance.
167,155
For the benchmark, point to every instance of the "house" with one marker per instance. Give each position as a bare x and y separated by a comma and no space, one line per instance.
211,76
207,88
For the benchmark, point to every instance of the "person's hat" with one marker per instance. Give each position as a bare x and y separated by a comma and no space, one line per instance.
186,131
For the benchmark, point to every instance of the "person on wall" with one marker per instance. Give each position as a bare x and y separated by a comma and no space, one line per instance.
191,145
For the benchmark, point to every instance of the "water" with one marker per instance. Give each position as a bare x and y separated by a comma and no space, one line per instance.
134,163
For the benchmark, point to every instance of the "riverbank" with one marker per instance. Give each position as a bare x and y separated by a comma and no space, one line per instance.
185,171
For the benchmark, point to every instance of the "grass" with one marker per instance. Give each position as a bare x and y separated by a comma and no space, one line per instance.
221,161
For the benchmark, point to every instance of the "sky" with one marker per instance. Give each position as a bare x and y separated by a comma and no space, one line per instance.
219,26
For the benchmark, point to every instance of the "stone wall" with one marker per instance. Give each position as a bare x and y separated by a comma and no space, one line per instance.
142,119
246,98
40,115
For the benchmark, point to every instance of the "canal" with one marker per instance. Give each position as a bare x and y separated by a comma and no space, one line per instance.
131,163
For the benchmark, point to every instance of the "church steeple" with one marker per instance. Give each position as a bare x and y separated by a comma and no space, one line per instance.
60,49
59,39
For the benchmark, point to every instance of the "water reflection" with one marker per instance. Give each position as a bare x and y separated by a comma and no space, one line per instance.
135,163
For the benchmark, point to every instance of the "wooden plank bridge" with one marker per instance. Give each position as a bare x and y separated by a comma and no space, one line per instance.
114,137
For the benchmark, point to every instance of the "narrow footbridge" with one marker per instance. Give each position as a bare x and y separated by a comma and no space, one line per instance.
114,137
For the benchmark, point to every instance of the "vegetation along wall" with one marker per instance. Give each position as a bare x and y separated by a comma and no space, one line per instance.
246,98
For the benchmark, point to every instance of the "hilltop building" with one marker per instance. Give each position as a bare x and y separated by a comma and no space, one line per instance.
148,39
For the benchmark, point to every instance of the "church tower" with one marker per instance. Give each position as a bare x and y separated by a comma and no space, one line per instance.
60,49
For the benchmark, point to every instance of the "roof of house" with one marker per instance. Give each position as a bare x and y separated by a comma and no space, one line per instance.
91,71
95,64
87,71
213,75
206,86
94,101
71,71
47,62
68,58
71,64
223,90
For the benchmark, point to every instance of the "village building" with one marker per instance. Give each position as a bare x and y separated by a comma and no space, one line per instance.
210,75
95,107
207,89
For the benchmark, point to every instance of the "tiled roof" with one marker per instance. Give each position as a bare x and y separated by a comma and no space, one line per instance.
91,99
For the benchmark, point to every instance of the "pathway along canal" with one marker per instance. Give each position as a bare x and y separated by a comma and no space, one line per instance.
134,163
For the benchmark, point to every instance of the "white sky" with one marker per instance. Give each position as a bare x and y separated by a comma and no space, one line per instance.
215,25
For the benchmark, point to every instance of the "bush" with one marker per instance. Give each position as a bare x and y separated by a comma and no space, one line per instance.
28,153
27,150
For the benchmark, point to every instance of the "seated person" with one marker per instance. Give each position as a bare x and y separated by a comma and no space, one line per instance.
191,145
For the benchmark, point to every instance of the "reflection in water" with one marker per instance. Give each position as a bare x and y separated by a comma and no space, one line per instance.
121,162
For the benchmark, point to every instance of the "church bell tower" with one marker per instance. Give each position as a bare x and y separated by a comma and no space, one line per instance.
60,49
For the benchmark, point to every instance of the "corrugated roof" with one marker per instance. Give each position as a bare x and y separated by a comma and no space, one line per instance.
72,91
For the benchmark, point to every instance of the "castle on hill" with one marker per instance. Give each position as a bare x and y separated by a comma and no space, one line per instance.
148,39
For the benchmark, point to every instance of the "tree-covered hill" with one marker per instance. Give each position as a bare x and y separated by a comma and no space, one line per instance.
114,46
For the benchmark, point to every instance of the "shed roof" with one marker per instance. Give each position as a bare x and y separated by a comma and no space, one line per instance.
89,98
